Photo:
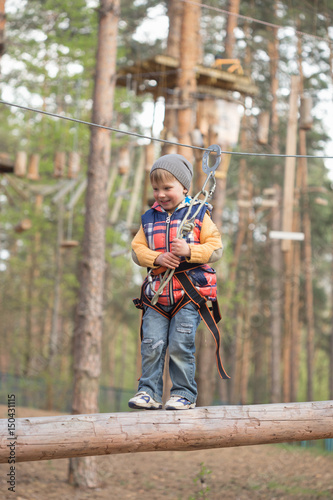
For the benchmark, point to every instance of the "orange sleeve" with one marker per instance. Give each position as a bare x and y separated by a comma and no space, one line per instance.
141,253
211,247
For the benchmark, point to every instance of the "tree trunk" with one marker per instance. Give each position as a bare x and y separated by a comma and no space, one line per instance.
31,310
307,242
233,8
295,284
258,363
289,177
170,129
2,28
330,384
175,14
331,340
246,357
53,343
186,121
205,367
242,229
237,356
276,262
54,333
308,270
88,323
243,195
276,255
114,217
295,326
288,203
136,190
247,314
187,76
295,333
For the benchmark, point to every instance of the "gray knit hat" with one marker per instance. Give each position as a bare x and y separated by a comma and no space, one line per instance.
178,166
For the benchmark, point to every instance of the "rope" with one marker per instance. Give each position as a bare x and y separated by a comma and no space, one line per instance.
142,136
113,129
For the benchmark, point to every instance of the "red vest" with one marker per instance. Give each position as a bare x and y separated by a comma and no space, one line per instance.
160,229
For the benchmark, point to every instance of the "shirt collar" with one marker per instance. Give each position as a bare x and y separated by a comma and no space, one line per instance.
185,203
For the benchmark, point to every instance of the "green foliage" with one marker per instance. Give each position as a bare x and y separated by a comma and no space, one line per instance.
201,479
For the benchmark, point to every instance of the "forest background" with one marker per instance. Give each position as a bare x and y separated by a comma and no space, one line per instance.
276,305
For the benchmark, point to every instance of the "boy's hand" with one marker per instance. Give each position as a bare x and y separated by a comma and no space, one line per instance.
168,260
181,248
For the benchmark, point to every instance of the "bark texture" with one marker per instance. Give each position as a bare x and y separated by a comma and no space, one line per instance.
46,438
233,8
276,254
88,324
187,75
175,13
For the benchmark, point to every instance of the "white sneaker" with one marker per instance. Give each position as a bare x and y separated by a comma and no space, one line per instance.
142,400
178,403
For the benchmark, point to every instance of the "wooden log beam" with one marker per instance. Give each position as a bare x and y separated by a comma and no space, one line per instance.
45,438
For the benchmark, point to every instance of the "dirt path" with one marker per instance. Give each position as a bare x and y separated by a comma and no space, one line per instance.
254,472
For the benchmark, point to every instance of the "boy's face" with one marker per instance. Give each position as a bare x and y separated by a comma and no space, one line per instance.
169,194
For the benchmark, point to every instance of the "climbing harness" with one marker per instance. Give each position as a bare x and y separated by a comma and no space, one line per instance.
210,315
187,224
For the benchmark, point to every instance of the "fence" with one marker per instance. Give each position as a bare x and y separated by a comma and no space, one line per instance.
38,392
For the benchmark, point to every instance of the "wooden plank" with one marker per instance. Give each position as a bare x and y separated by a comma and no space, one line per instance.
286,235
45,438
165,60
6,164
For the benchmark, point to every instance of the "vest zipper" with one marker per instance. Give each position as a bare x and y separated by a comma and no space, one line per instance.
167,233
168,250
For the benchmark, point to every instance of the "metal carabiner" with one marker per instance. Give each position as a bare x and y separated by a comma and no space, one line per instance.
212,149
210,171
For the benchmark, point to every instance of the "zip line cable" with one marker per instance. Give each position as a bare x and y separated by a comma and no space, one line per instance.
135,134
142,136
258,21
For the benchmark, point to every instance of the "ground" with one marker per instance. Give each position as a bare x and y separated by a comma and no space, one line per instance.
245,473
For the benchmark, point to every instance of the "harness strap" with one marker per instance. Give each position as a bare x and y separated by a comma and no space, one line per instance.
210,316
145,301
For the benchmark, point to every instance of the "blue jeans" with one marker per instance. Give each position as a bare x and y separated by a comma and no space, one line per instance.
178,333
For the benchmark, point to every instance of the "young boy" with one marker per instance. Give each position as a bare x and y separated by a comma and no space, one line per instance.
173,321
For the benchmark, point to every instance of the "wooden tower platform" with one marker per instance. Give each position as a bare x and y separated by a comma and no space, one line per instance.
159,74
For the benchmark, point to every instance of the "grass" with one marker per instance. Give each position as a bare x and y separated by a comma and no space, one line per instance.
315,447
297,490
